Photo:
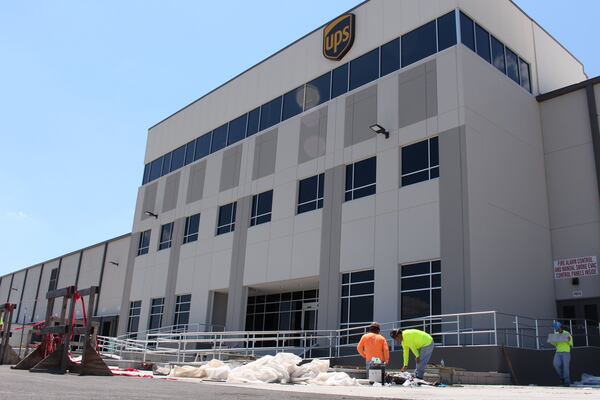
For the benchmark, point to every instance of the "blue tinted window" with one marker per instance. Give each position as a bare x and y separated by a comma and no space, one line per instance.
339,81
524,75
292,103
237,129
390,57
446,28
512,65
146,176
270,113
467,32
177,158
317,91
155,169
202,146
166,165
418,44
189,152
498,55
482,41
364,69
253,119
219,138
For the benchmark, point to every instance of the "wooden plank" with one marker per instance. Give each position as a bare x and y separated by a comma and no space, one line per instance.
88,291
66,291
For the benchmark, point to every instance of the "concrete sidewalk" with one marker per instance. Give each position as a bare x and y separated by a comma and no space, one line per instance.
21,385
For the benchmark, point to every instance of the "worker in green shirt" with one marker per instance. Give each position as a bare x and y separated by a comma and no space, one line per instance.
562,357
419,342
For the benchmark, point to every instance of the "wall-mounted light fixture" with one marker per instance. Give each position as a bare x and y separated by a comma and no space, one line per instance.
380,130
151,214
116,264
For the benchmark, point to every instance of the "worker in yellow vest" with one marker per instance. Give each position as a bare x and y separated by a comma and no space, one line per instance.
562,357
419,343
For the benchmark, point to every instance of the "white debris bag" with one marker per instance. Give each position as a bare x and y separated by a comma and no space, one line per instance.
333,379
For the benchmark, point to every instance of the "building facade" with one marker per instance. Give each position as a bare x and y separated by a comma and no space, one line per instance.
273,203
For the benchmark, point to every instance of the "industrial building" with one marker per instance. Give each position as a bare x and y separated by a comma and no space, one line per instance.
407,159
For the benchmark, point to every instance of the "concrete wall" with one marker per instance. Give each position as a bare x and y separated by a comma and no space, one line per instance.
507,195
572,185
377,22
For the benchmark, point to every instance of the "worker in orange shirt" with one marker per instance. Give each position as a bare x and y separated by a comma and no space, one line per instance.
372,344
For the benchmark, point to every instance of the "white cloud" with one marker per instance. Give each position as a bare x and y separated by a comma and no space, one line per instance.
18,215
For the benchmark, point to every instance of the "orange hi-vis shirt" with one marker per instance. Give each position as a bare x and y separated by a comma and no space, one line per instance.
373,345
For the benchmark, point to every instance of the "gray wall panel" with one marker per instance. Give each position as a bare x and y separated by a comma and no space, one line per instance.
313,135
135,238
171,284
237,295
195,189
361,113
454,221
230,168
265,152
417,99
171,192
149,202
331,237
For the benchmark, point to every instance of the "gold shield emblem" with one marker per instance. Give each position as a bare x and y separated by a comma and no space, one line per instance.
338,37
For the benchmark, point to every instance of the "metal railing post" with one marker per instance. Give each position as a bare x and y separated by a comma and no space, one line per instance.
587,343
495,329
517,330
457,330
537,335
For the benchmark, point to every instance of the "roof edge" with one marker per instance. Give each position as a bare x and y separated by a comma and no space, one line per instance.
568,89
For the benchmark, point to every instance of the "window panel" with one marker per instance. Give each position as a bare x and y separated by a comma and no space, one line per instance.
219,138
292,103
155,169
415,178
415,304
362,288
361,309
146,177
339,81
310,193
192,224
415,157
415,269
446,29
360,175
436,302
363,276
467,31
166,233
512,65
237,129
436,280
156,313
144,243
261,208
226,219
202,146
436,266
253,122
189,152
364,69
317,91
482,41
434,173
270,113
524,75
178,158
166,165
417,282
390,57
419,43
498,55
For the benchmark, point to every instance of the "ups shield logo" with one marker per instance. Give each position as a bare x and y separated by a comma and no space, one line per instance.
338,37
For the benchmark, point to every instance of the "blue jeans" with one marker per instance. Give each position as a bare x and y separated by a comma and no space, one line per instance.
424,356
561,365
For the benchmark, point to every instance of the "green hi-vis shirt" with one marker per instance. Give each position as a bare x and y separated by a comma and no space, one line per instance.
413,340
564,347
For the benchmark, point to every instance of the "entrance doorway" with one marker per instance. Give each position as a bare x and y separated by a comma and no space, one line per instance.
309,316
582,317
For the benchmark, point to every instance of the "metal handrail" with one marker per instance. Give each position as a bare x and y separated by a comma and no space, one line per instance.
483,328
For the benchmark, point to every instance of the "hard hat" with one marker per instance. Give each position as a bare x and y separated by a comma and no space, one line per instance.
556,325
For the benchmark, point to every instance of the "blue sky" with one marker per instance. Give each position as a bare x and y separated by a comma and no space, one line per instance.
82,81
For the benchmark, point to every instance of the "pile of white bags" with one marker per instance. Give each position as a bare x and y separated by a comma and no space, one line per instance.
281,368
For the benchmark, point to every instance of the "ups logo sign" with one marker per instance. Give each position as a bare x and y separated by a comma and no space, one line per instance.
338,37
